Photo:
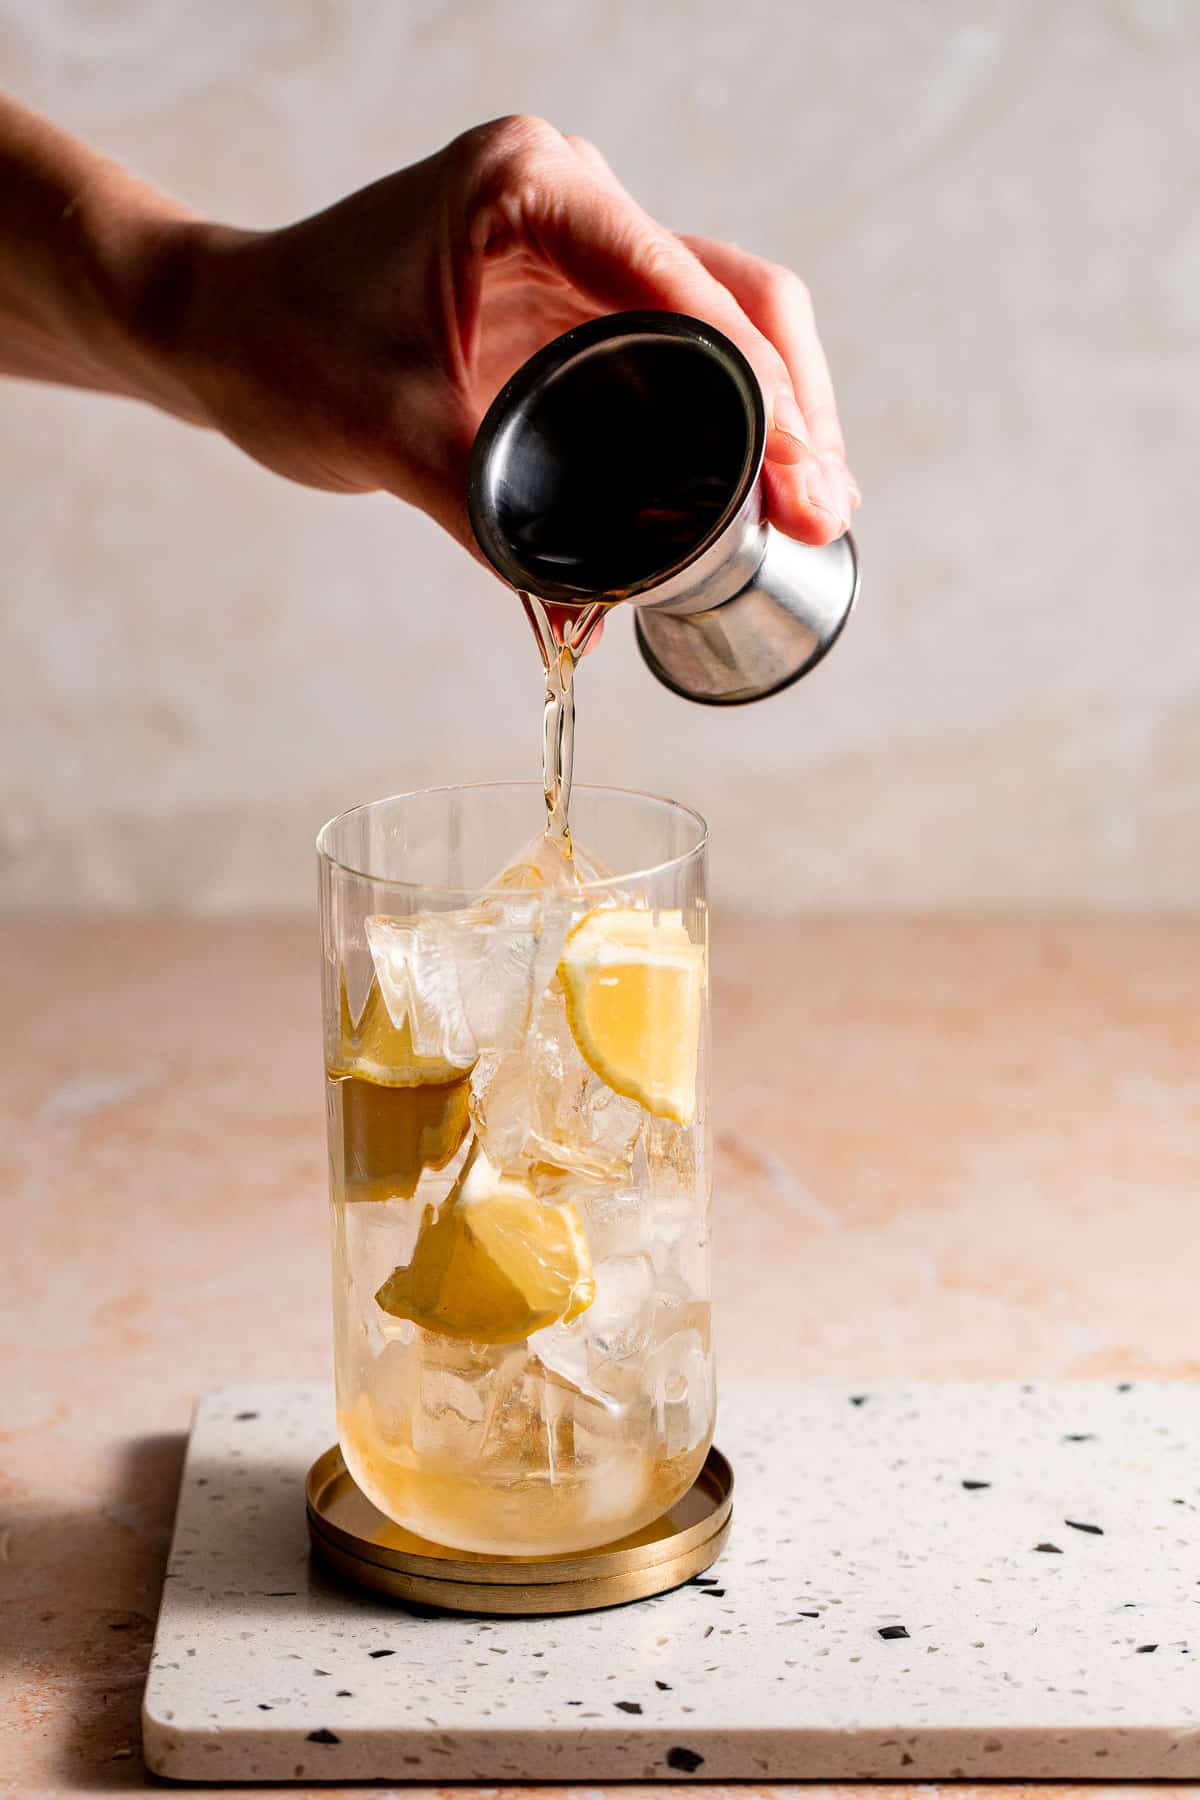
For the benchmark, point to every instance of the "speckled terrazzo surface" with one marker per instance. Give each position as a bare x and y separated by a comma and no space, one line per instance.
922,1582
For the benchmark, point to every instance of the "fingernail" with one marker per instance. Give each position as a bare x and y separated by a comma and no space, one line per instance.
837,479
788,417
819,492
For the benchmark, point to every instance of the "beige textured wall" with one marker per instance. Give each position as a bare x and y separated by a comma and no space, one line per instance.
997,205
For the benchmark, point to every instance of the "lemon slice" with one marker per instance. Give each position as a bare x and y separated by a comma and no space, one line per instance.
379,1051
495,1264
633,981
394,1114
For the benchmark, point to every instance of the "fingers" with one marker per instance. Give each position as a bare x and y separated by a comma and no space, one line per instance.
563,201
779,305
590,157
607,247
778,302
558,198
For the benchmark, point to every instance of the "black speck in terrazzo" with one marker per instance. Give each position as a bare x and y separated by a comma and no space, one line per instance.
323,1737
680,1757
708,1631
280,1594
1146,1649
973,1487
263,1707
704,1580
345,1694
859,1399
574,1702
905,1760
1124,1387
240,1418
714,1593
663,1686
888,1632
1081,1525
376,1654
1079,1437
629,1706
1050,1549
322,1671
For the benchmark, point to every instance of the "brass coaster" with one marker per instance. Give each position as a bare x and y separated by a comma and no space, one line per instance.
353,1538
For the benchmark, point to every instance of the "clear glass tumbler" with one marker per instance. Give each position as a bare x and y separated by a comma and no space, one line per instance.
516,1046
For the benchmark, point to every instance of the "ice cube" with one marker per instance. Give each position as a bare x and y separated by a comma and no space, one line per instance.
546,863
456,1392
681,1263
418,978
393,1384
616,1489
679,1307
527,1435
582,1421
680,1379
579,1122
561,1350
562,1353
506,953
617,1324
613,1218
673,1161
500,1104
468,981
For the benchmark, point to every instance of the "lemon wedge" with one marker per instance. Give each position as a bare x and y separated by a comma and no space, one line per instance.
633,981
375,1049
495,1264
394,1114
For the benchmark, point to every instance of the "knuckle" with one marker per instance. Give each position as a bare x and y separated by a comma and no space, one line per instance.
653,255
521,138
782,289
584,147
507,164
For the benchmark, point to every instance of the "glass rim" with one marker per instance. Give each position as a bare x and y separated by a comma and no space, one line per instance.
478,787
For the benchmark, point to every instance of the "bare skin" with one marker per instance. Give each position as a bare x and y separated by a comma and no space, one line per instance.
358,349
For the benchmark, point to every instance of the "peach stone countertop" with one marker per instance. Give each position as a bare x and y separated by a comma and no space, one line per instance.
963,1148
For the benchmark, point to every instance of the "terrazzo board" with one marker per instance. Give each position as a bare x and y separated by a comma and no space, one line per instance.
922,1582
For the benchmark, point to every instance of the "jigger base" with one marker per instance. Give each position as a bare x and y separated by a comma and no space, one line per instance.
359,1544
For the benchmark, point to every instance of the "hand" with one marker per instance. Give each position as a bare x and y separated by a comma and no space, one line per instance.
359,349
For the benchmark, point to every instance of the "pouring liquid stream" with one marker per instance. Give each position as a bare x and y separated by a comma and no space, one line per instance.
560,652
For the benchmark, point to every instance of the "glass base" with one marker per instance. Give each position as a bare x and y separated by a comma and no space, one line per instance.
354,1539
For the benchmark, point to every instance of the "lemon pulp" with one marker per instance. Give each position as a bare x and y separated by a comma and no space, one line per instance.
633,982
494,1264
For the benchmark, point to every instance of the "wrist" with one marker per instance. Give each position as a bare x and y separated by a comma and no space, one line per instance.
140,259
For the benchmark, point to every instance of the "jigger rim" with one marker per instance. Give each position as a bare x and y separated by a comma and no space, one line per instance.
511,403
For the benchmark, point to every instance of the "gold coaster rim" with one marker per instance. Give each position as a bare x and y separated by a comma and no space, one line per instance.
521,1584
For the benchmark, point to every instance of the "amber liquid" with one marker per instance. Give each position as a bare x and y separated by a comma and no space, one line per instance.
560,653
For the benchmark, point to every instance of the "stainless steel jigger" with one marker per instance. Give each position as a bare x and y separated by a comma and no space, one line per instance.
623,462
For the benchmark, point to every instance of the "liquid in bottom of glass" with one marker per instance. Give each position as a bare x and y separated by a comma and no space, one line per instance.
521,1248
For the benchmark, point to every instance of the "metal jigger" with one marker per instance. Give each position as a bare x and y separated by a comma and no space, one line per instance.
623,462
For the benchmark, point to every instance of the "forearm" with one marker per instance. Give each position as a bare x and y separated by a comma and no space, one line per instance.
93,268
